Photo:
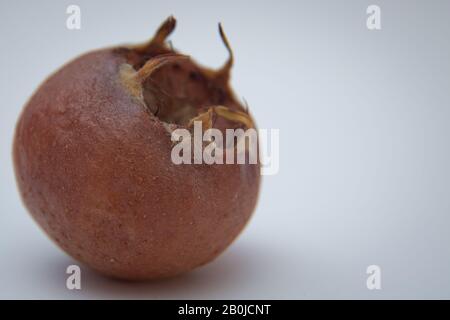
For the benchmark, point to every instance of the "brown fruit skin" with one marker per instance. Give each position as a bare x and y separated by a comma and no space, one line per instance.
94,170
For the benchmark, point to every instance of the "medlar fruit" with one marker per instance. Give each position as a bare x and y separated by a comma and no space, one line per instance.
92,156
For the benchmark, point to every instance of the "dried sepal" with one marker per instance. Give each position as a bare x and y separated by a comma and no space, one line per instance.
206,119
233,115
155,63
221,111
133,80
224,72
160,36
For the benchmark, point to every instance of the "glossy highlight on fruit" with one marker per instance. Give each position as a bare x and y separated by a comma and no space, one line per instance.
92,160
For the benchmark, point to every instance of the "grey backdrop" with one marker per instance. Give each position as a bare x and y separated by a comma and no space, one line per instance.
364,124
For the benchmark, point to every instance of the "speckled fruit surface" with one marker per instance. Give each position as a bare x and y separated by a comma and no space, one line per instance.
93,162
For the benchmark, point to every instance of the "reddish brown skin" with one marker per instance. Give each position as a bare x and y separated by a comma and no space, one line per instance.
94,170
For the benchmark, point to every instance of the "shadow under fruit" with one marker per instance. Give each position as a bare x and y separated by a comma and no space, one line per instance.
92,156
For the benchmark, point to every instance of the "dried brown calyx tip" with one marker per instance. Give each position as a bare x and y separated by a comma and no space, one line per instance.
224,112
158,40
164,30
224,72
155,63
133,80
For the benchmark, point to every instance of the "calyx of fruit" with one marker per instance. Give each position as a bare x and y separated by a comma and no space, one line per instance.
166,103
